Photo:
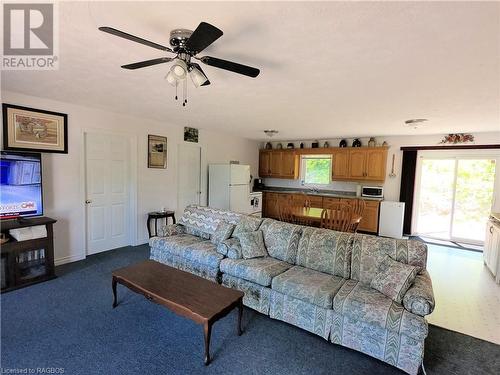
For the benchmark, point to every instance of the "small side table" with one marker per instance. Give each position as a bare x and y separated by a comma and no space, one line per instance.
158,215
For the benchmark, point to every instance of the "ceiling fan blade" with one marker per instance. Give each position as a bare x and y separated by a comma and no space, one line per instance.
231,66
197,66
204,35
133,38
143,64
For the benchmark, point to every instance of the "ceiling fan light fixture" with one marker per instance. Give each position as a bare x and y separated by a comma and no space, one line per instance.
179,69
197,76
171,79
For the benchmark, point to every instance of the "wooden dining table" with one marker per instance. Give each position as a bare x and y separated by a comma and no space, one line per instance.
314,215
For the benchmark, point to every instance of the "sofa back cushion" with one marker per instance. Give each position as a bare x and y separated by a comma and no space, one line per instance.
325,251
368,251
281,239
247,224
204,220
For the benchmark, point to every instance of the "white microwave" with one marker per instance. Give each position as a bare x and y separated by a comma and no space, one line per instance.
372,191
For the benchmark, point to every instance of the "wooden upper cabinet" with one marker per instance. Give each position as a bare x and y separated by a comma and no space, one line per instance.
340,164
264,164
289,165
278,164
275,162
376,164
348,164
357,164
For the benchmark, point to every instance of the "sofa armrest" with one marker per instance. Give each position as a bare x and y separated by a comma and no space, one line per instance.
230,248
171,230
419,299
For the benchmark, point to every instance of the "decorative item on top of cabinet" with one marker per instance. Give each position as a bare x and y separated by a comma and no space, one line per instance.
326,144
269,146
343,143
290,145
315,144
356,143
279,146
301,144
371,142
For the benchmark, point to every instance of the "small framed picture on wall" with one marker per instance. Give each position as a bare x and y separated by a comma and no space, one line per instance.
190,134
157,152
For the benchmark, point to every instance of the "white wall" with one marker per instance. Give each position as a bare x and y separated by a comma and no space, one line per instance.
63,176
391,185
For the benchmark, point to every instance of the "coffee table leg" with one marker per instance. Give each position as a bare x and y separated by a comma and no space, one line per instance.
240,313
207,329
113,285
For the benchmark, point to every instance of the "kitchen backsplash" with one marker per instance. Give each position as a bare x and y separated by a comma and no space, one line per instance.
334,185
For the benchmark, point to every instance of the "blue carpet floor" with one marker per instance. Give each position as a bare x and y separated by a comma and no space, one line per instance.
68,323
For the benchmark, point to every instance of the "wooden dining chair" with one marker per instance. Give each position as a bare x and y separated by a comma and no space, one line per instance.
286,214
337,217
358,208
305,200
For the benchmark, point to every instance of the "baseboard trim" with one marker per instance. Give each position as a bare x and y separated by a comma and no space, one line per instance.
69,259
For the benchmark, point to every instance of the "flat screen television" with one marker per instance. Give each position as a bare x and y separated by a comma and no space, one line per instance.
20,185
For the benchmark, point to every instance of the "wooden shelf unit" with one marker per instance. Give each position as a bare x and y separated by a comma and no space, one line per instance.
27,262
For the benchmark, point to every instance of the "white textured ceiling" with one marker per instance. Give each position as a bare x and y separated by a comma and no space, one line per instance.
328,69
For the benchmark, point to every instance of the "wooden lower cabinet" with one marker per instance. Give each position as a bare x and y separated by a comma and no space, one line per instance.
273,202
369,222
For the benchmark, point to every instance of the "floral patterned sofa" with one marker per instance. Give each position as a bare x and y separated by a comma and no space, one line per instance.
317,279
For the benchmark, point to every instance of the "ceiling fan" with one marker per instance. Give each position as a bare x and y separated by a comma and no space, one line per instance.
186,44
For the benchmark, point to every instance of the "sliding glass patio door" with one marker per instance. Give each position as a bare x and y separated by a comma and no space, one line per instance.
454,195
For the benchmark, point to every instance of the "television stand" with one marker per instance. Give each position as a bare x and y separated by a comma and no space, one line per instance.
27,262
22,220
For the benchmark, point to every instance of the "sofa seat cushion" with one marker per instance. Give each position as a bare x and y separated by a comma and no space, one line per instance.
258,270
364,304
308,285
174,244
191,248
203,252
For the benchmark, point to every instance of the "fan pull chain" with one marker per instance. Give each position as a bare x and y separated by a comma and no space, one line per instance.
176,84
184,100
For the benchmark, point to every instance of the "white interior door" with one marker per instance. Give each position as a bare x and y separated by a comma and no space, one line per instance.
189,173
107,191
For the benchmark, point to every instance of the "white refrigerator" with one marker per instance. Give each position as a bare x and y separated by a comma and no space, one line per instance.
229,187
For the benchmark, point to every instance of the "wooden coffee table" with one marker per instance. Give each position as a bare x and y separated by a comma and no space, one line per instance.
185,294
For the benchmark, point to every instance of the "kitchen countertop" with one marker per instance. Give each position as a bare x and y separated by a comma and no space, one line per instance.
321,193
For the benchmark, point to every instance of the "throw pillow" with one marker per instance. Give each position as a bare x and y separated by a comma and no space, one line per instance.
222,232
394,278
247,224
252,244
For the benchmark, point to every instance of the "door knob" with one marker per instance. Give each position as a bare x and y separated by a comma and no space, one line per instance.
87,201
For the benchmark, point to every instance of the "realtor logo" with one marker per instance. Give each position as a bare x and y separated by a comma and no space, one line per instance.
29,36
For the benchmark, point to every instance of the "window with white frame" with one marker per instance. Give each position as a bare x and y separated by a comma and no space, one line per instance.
316,169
